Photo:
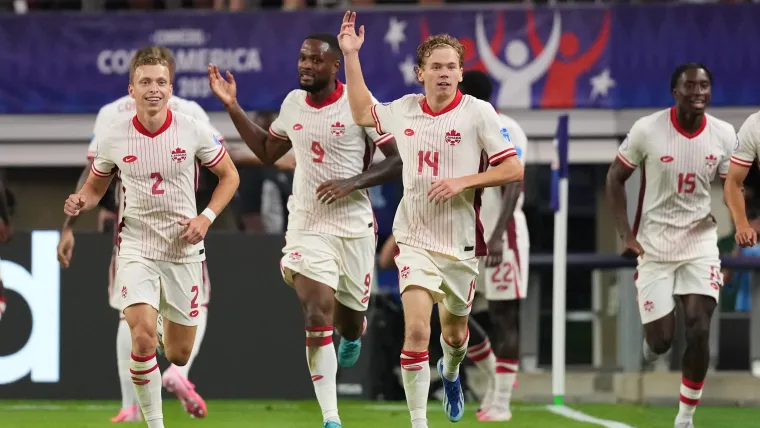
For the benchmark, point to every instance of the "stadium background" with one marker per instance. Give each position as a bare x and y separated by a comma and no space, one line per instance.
609,65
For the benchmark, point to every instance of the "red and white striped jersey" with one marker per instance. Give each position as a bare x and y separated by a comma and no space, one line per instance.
159,178
492,196
124,108
447,144
328,145
673,220
747,147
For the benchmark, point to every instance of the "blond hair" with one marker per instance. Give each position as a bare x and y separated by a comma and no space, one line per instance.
432,43
138,61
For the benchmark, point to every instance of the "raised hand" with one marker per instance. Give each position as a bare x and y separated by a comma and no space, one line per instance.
225,90
349,41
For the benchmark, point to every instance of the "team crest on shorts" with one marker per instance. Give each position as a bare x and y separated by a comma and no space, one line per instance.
179,154
648,306
453,137
295,256
405,272
338,129
124,292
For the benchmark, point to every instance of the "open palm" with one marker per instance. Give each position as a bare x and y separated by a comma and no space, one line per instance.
225,90
349,41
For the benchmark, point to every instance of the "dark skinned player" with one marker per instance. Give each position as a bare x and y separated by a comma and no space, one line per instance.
680,150
6,231
329,255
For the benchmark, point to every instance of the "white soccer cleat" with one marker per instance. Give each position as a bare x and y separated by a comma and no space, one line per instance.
495,414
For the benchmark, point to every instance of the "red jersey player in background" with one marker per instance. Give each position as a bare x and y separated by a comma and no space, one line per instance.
680,151
6,231
175,378
160,241
503,278
442,137
747,150
329,254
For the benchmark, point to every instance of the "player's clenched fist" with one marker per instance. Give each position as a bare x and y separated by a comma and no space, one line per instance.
746,236
74,204
632,249
349,41
195,229
445,189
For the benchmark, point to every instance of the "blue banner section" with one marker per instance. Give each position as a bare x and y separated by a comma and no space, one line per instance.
584,57
560,167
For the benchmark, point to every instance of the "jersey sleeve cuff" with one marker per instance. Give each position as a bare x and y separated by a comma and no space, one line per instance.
378,128
741,162
625,161
218,158
502,156
276,135
91,155
383,139
100,173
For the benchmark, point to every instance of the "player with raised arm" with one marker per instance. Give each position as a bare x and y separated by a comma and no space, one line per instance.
503,277
329,255
747,150
680,150
175,378
6,231
160,248
445,139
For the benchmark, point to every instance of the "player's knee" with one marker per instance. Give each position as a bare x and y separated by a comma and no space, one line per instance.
417,334
179,355
144,341
697,328
455,337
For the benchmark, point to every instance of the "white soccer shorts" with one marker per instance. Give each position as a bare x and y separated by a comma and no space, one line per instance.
657,283
174,289
448,279
346,265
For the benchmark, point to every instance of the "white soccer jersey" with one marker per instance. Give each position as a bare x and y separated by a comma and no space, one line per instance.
673,220
124,108
747,146
447,144
492,196
159,178
328,145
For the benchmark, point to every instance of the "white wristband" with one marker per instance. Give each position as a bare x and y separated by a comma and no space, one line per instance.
209,214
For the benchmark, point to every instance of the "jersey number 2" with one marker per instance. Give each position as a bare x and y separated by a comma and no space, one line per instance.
194,302
319,152
687,182
427,158
156,176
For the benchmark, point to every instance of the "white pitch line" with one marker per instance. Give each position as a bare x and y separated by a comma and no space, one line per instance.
582,417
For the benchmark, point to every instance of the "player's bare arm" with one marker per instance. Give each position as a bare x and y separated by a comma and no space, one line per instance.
733,191
508,171
359,97
6,231
617,175
385,259
390,168
229,180
245,157
268,149
88,196
508,204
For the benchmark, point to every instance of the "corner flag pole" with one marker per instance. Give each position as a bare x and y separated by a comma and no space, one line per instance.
559,305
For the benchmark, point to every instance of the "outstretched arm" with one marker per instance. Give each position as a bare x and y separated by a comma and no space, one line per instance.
359,97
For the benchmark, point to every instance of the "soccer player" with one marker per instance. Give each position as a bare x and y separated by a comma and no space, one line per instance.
160,248
5,234
442,136
329,254
746,152
503,276
679,150
175,378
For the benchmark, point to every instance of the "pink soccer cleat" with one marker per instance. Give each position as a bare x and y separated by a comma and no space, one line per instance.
175,382
2,306
495,414
128,414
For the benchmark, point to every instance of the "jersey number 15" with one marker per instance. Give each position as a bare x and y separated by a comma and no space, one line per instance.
687,182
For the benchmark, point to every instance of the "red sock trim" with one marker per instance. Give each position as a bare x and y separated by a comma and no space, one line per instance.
410,357
143,372
505,361
319,341
480,357
464,342
320,328
143,359
479,347
691,384
689,401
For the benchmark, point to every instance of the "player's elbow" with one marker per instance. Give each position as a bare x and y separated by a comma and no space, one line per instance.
362,114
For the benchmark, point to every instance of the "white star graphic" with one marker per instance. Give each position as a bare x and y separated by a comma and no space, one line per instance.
407,70
395,34
601,84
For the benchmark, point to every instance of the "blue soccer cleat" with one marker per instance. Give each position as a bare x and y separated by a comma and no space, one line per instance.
453,399
348,352
331,424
